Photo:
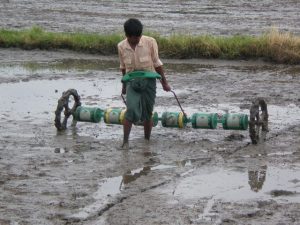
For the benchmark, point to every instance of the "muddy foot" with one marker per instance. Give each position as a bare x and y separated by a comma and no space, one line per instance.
124,146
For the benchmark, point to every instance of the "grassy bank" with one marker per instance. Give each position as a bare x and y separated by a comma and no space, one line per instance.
272,46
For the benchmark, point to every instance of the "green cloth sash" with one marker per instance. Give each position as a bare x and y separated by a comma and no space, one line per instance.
140,99
144,74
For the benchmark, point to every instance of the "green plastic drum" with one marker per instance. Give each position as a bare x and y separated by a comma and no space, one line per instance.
117,116
235,122
205,120
155,119
173,119
88,114
114,115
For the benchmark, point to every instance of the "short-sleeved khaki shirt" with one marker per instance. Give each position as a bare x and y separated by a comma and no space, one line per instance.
144,57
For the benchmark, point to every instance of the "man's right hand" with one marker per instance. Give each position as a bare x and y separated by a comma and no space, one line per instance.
166,87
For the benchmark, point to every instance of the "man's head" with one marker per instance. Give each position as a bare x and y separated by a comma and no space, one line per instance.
133,30
133,27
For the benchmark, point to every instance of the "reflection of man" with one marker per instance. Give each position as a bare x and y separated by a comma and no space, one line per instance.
257,170
129,177
139,52
257,178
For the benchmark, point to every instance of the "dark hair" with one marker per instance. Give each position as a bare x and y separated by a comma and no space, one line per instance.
133,27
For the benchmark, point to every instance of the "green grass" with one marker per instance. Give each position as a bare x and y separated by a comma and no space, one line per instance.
37,38
272,46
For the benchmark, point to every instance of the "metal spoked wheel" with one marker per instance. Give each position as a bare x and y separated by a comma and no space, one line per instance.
258,124
63,104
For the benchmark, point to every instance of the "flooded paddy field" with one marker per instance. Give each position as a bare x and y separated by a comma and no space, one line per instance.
183,176
165,17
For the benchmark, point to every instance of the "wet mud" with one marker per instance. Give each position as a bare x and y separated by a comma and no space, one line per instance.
182,176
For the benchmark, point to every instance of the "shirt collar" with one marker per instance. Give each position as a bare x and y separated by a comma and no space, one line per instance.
140,44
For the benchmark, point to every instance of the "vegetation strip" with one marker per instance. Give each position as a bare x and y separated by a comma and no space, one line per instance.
272,46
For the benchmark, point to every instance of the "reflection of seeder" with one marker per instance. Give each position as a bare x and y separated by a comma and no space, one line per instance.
258,122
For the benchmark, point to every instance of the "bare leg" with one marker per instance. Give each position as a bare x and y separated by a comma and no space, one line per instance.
126,131
148,128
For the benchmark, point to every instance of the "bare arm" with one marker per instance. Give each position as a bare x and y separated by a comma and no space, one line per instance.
164,82
123,84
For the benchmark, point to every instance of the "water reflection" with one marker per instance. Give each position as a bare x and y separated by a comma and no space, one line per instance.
147,156
132,176
257,178
257,170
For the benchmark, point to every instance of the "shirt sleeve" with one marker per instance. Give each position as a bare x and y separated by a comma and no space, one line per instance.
155,57
122,64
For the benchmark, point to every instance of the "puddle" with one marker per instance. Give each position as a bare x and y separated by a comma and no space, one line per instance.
50,68
39,98
17,71
213,184
281,153
229,185
109,188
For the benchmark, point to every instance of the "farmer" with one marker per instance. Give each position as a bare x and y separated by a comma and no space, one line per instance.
139,53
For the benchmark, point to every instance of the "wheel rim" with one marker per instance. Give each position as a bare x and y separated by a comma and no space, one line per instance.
63,105
258,124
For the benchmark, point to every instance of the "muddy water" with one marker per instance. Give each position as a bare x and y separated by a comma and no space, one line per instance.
183,176
165,17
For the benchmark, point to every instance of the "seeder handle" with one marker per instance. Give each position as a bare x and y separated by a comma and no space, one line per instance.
123,99
179,104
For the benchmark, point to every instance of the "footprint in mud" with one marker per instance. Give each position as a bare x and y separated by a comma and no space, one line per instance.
5,222
235,137
277,193
61,150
